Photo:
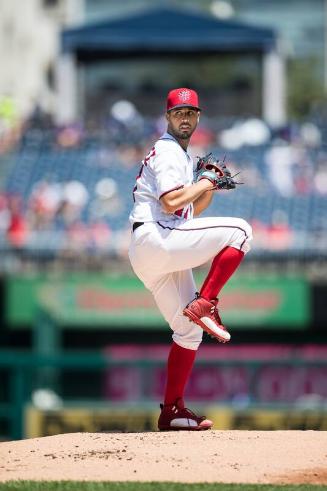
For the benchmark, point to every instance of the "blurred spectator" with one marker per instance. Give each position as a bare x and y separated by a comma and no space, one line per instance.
77,238
17,232
125,112
280,160
275,236
251,177
70,136
320,179
203,137
279,234
74,198
303,171
252,132
4,214
310,135
108,200
44,203
100,236
129,154
94,237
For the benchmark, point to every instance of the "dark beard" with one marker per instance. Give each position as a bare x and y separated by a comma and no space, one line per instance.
182,135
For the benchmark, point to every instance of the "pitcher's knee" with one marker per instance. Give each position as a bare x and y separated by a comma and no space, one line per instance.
247,230
189,338
246,227
243,235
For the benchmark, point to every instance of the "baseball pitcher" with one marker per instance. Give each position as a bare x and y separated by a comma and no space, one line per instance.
168,241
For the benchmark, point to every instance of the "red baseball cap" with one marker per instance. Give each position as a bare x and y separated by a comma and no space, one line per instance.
182,97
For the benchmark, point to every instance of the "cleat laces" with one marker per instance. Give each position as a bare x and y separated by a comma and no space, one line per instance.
183,412
191,415
214,311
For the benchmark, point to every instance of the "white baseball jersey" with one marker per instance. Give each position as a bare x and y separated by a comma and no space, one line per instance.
167,246
166,168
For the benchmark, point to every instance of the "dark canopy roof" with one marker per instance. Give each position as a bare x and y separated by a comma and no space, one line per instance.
165,30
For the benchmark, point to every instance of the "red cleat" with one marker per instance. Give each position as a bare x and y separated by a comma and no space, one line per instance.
205,314
176,417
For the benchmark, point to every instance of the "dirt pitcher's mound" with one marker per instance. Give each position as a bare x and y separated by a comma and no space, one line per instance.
210,456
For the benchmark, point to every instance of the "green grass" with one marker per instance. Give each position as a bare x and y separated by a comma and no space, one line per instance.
149,486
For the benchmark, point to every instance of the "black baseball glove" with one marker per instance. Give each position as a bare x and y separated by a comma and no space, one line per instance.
209,167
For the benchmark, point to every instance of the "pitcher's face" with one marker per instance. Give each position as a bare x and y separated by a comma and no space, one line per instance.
182,122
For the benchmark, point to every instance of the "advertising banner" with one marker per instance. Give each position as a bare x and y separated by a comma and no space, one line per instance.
71,419
246,374
92,419
102,301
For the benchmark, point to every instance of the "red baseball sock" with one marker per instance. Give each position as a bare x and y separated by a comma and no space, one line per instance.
222,268
180,362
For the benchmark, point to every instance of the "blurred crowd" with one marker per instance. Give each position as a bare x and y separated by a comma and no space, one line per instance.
87,213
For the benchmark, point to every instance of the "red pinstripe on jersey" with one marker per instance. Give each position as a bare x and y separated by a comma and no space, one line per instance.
205,228
144,163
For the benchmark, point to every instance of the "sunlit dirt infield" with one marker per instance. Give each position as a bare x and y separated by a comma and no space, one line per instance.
212,456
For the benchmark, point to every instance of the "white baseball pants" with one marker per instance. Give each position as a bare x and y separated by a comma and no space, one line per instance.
163,254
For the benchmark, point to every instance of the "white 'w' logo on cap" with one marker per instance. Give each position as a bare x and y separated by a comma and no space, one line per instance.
184,95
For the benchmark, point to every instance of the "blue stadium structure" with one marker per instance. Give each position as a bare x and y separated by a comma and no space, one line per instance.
301,213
